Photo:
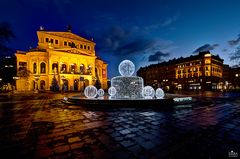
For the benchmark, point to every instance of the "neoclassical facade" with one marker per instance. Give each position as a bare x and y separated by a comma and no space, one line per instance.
61,59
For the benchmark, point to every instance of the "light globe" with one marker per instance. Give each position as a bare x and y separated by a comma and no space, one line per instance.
148,91
112,91
90,91
100,92
126,68
159,93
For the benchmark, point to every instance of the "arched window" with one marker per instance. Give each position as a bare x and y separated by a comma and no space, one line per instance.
63,68
54,67
72,68
43,67
89,70
34,68
82,69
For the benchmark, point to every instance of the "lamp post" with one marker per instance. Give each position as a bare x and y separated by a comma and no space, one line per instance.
15,78
63,88
94,79
81,85
36,77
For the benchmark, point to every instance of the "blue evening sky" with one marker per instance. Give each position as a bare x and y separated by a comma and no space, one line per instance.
144,31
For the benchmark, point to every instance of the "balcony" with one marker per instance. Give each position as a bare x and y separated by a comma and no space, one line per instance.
76,73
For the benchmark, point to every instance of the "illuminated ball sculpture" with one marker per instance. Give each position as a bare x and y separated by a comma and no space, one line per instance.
112,91
148,92
159,93
126,68
100,92
90,92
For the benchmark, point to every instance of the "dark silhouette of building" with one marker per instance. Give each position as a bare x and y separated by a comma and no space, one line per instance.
196,72
231,77
7,69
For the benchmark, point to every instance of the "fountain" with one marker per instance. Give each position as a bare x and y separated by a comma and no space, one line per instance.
127,86
125,90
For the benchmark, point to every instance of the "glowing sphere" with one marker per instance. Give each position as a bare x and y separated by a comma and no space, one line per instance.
90,92
159,93
100,92
126,68
112,91
148,91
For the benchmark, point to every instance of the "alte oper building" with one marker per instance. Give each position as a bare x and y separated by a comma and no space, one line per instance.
61,59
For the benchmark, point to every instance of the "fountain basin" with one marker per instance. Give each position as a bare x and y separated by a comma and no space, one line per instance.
166,103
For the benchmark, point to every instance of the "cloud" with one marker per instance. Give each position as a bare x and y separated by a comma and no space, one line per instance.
158,56
234,42
224,50
166,23
121,42
136,46
206,47
169,21
235,55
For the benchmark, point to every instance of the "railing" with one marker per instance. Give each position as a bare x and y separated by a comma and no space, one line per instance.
76,73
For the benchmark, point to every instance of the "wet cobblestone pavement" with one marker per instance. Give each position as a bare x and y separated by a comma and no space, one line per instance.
42,127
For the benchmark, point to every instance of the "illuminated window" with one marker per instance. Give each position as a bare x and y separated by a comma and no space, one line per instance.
55,67
34,68
82,69
63,68
22,66
72,68
43,67
89,70
207,61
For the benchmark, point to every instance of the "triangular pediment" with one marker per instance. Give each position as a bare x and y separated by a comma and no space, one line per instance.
67,35
73,51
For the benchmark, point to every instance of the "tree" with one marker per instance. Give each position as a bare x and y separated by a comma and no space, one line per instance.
54,86
24,73
98,84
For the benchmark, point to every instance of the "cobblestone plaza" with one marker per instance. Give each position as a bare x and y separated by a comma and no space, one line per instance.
40,126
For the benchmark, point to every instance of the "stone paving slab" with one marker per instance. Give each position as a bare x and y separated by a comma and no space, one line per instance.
45,128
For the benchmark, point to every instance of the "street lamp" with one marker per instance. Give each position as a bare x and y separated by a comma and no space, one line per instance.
63,78
36,77
15,78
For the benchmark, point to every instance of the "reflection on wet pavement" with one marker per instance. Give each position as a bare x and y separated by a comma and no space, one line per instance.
46,128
